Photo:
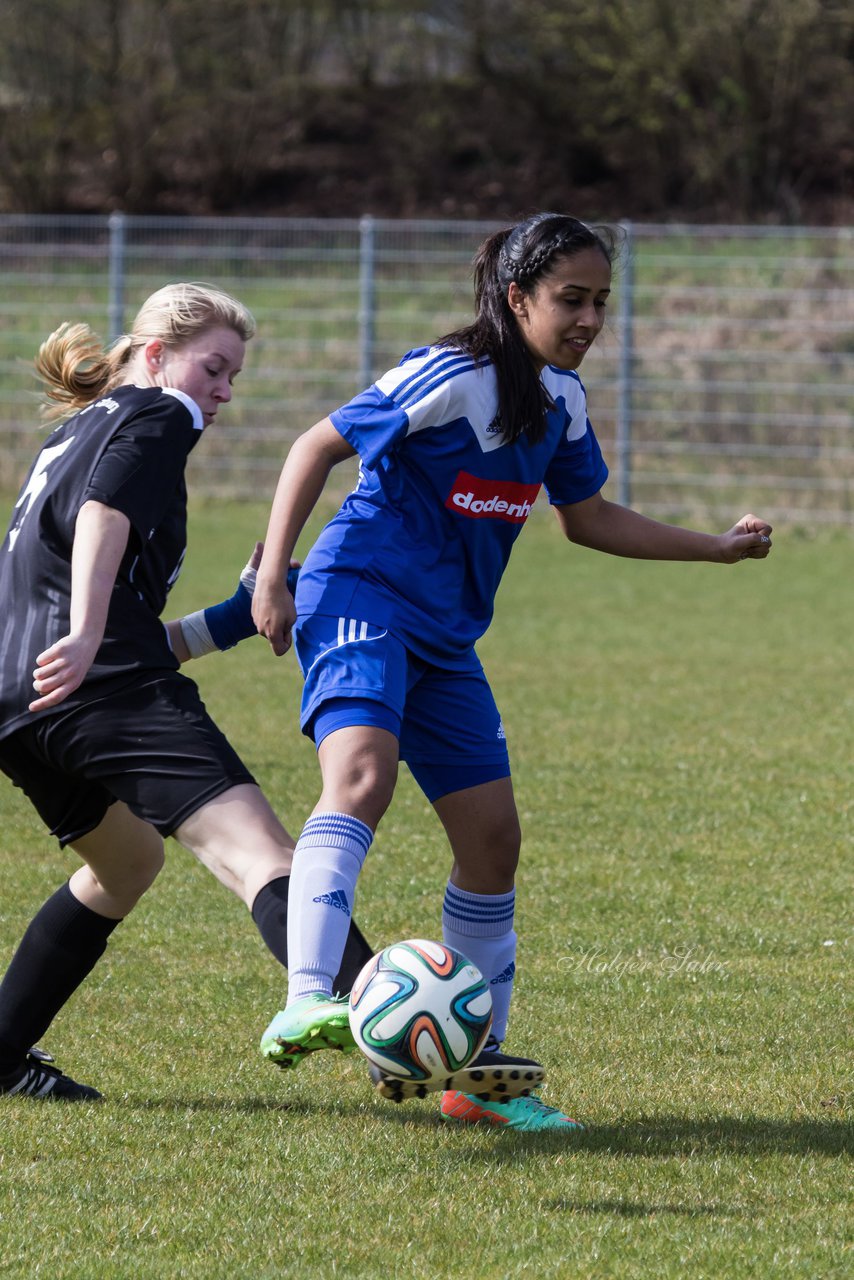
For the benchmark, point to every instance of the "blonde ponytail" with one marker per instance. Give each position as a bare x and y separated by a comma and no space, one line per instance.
75,369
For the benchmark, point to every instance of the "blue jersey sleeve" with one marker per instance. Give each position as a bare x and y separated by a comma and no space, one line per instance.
372,423
577,469
423,391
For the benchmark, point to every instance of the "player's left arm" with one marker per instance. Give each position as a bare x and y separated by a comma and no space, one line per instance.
607,526
100,539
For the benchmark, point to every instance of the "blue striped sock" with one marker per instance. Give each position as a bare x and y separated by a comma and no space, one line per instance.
481,927
327,861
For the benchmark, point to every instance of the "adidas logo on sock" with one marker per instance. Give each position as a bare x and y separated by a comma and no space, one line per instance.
506,975
337,898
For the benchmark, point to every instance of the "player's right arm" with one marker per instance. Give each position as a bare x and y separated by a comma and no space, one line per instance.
301,483
100,539
222,626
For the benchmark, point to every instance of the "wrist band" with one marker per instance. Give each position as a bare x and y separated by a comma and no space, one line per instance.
222,626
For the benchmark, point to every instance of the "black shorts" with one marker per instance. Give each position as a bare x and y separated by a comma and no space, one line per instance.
151,745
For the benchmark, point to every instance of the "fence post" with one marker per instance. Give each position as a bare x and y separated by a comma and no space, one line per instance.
367,299
116,313
625,372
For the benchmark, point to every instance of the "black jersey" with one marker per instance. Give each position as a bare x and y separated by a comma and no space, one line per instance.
128,450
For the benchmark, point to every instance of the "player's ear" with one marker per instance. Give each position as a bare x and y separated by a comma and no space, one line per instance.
153,351
517,300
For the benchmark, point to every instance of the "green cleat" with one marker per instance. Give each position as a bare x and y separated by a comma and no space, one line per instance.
316,1022
527,1114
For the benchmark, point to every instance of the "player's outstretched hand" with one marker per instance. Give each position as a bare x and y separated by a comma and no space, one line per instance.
750,539
61,669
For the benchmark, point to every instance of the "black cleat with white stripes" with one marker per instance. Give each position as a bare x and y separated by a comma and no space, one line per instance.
39,1078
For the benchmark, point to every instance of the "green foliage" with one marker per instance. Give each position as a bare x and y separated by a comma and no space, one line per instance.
682,739
737,109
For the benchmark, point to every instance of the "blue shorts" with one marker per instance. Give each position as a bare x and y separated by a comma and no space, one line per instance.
445,718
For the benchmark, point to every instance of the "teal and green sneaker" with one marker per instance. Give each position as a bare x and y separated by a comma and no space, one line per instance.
528,1114
315,1022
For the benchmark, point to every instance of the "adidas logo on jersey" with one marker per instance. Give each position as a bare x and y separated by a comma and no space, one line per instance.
506,975
337,899
492,499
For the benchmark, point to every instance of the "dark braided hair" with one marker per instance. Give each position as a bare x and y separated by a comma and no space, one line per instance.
522,253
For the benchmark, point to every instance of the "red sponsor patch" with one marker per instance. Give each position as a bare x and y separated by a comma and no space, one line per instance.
491,499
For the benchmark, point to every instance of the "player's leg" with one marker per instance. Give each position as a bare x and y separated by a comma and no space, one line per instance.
353,699
64,942
69,933
482,826
483,830
453,740
183,775
238,837
359,768
477,919
122,857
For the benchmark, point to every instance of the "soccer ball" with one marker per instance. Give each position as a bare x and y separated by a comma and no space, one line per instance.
420,1010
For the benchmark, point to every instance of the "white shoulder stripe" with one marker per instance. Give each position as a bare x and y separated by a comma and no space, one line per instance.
195,411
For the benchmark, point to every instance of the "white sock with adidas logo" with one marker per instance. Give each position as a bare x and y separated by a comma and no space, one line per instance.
327,861
480,925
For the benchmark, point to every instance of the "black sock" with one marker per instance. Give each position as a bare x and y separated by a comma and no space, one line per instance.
61,946
357,953
270,913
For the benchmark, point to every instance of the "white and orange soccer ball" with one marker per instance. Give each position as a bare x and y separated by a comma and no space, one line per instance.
420,1010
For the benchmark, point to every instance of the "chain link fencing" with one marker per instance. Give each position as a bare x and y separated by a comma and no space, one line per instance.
724,380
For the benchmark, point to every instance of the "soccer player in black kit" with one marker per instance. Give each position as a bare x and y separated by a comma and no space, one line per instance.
110,742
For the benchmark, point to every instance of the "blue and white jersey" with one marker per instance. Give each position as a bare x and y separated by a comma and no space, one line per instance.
420,544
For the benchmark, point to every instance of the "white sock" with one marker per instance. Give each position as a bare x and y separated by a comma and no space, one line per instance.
327,861
481,927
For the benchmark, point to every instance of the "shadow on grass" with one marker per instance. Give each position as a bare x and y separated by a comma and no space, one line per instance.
651,1137
638,1209
742,1135
681,1136
239,1106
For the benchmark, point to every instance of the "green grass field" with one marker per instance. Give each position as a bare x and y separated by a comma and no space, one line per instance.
682,744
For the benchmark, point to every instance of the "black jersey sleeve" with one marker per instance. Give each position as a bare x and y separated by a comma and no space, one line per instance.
143,463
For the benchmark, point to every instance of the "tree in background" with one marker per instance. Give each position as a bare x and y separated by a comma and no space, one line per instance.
730,109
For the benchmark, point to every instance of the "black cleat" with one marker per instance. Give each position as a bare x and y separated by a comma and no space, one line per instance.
39,1079
492,1076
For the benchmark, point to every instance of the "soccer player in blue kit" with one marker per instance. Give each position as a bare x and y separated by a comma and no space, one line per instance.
111,743
454,446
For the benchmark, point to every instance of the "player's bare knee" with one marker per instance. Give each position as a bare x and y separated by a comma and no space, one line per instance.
130,878
488,863
363,790
503,843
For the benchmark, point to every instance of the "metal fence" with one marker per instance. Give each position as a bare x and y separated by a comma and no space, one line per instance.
722,382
